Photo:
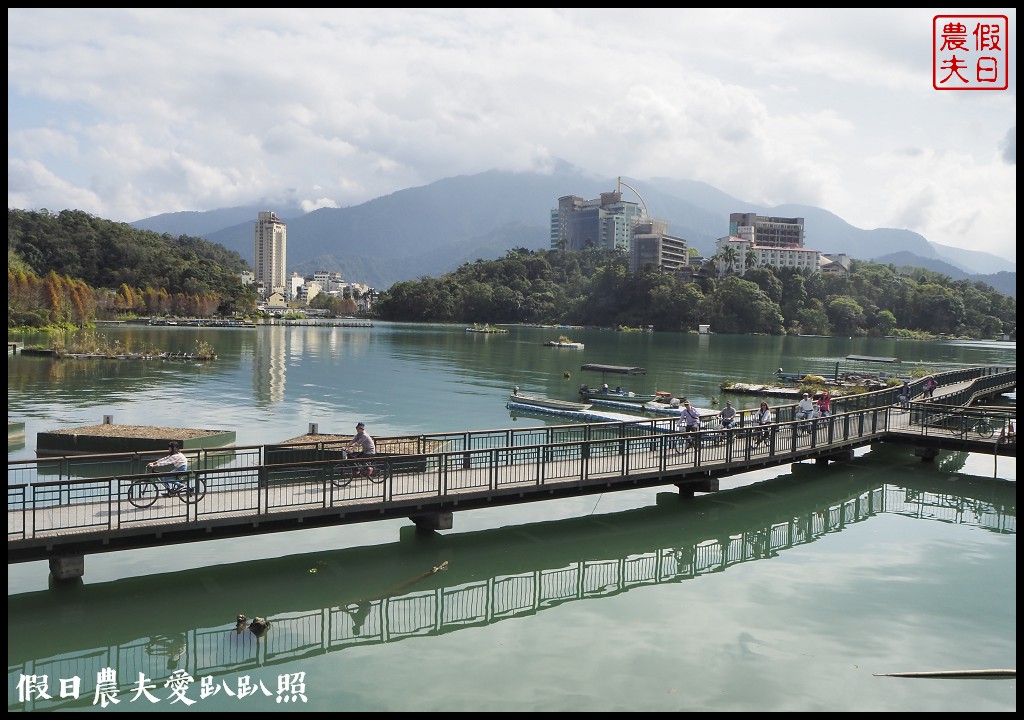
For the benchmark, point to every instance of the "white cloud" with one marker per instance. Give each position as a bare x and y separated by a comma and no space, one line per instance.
130,113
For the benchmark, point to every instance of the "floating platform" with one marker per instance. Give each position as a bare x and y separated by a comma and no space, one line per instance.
110,438
763,390
589,415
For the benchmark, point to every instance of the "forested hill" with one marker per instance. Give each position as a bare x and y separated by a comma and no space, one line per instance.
105,254
594,287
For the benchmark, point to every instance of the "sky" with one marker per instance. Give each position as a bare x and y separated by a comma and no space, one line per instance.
130,113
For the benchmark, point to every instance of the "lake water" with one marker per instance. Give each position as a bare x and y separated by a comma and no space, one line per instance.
788,590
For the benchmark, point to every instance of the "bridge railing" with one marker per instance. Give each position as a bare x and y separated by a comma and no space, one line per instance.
581,454
424,448
598,453
985,380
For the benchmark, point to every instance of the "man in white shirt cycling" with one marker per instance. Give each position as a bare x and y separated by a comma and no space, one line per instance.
689,420
804,410
177,459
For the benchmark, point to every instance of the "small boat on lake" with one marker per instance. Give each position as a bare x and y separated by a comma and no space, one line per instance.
547,403
603,393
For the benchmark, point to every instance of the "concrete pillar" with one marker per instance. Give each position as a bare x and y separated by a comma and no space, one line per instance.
705,484
926,454
433,521
69,567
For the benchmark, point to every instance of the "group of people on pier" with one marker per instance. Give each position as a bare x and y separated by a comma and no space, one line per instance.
807,409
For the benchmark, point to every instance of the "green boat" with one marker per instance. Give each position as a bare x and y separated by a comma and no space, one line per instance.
618,395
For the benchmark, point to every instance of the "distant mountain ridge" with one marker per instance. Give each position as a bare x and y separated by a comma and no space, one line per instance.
433,229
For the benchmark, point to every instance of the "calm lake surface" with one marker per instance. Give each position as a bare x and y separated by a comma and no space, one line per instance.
788,590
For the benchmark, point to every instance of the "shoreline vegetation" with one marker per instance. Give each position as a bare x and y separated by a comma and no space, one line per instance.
898,334
93,345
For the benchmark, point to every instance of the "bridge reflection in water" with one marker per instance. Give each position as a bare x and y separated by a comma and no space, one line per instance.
331,601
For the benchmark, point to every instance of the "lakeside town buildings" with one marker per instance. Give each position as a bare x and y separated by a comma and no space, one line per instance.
270,246
276,288
608,221
753,240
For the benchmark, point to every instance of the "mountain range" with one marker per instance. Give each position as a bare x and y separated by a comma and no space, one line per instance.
431,230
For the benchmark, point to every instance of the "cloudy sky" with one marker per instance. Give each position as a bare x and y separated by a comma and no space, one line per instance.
127,114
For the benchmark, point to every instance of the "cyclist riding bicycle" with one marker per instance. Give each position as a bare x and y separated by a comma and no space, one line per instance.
180,463
362,440
804,410
689,421
728,415
763,419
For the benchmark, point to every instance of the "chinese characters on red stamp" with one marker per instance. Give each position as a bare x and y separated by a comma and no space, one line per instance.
970,52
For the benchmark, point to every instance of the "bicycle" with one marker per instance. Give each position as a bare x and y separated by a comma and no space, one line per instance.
143,492
982,426
684,442
376,471
804,423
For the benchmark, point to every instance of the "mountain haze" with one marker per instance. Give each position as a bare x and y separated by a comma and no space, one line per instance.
430,230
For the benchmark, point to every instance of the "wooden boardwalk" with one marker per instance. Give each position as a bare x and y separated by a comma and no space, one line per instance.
66,519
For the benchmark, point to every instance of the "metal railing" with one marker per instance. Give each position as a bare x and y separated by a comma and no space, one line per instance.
91,492
610,454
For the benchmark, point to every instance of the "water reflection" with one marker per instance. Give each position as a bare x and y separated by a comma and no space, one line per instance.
432,585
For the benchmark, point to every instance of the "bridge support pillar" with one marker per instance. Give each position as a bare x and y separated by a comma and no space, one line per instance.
704,484
433,521
842,456
926,454
69,567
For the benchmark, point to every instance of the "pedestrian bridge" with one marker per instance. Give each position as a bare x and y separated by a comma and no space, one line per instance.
62,509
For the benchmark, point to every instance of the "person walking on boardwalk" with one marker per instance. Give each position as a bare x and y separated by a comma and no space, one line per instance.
177,459
905,395
929,387
763,419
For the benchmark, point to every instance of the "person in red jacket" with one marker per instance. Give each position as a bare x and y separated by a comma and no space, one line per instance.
825,404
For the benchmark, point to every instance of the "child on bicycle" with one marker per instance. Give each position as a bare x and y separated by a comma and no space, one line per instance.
180,463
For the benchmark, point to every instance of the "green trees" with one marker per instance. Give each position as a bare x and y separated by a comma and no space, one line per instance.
740,306
595,287
71,267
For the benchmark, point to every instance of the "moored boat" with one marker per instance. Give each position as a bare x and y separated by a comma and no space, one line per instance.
603,393
548,403
616,395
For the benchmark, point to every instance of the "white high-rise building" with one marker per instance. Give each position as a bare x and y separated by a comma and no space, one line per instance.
270,245
606,222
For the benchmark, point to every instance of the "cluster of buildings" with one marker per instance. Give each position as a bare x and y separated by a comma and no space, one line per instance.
279,290
576,224
753,240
